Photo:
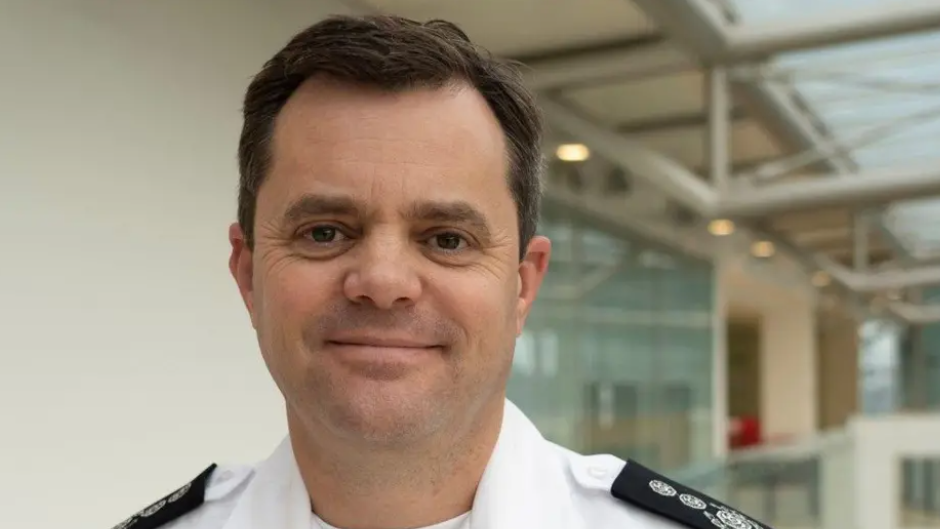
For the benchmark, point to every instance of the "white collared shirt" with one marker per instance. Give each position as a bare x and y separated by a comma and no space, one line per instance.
528,483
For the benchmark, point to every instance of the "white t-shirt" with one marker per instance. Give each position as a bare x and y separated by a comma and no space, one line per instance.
460,522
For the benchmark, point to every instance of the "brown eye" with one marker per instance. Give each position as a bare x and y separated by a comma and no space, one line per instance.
448,242
323,234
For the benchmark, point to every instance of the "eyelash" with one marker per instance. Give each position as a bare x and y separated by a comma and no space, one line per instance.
308,231
341,231
450,251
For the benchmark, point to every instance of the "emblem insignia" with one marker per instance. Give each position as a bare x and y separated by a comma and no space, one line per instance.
725,518
661,488
734,520
153,509
646,489
180,493
125,524
184,500
691,501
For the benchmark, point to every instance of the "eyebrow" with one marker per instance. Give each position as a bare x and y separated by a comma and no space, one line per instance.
454,212
318,205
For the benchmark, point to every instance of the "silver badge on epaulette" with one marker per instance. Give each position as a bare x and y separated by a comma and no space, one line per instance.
153,509
691,501
725,518
126,523
661,488
180,493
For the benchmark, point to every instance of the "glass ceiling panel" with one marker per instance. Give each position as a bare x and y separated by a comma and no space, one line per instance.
775,10
881,102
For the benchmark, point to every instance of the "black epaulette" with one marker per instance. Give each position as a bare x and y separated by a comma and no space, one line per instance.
172,506
652,492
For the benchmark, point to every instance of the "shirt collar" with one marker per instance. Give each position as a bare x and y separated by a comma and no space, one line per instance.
523,485
275,497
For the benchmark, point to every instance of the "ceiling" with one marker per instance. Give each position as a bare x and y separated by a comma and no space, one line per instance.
655,96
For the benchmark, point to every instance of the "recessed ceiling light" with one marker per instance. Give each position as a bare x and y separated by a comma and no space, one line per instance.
721,227
763,249
573,152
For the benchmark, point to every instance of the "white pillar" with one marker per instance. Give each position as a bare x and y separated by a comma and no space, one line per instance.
786,309
788,369
719,437
838,370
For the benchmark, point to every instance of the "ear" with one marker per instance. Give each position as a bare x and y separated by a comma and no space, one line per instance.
532,271
240,265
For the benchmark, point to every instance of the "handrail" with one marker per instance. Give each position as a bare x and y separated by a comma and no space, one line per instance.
701,472
806,447
779,484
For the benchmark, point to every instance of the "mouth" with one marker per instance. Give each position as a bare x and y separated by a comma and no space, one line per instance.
382,358
381,348
380,342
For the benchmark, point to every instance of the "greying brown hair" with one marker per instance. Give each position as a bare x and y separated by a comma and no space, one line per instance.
393,54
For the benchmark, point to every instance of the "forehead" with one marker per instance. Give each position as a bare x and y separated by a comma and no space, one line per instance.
382,147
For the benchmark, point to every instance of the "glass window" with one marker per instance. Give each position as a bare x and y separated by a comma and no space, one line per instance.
617,354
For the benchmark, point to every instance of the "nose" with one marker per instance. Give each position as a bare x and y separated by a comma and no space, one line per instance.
383,275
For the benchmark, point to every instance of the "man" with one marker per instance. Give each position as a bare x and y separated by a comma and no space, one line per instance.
386,252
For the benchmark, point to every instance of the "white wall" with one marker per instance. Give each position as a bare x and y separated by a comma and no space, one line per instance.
127,363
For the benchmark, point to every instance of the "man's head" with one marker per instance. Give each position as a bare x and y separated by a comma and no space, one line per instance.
386,248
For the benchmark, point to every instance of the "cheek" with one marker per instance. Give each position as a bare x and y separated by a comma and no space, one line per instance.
483,304
291,292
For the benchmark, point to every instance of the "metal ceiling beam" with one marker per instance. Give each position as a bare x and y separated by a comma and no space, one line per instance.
589,67
682,185
892,240
689,120
786,116
654,232
891,279
789,119
710,35
696,24
717,41
718,138
916,314
679,183
705,30
857,190
870,282
756,41
663,173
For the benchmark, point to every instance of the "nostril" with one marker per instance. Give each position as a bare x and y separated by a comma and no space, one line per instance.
385,286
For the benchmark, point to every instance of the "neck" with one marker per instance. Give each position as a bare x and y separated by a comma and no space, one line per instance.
357,487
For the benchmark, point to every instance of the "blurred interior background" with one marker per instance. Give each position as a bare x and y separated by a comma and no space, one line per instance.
743,292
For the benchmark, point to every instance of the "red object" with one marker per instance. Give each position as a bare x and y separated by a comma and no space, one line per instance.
744,432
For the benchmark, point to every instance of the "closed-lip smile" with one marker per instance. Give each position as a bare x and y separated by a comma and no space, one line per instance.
386,342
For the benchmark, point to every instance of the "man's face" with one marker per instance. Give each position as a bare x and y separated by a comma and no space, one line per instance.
385,282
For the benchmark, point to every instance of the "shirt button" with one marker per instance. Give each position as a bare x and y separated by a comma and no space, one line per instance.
225,476
598,472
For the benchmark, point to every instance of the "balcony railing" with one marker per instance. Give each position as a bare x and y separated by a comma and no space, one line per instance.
877,473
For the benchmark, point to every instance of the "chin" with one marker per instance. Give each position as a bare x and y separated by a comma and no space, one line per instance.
384,416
